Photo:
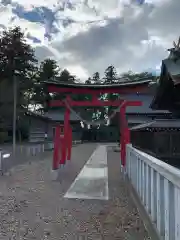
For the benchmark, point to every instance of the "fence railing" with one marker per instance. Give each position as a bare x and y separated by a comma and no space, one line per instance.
158,187
24,153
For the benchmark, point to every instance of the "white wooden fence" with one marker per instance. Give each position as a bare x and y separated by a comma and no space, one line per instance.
158,187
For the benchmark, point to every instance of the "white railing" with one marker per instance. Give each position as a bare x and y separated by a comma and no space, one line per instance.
24,152
158,187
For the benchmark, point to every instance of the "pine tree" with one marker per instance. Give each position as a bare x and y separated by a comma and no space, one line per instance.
16,56
17,60
49,70
96,78
110,75
110,78
66,76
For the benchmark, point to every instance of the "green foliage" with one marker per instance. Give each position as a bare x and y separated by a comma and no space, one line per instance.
94,80
96,77
17,60
16,56
49,70
110,75
110,78
88,81
65,76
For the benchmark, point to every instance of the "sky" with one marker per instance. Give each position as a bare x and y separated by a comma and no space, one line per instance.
86,36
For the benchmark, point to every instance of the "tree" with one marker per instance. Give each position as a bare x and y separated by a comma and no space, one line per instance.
88,81
16,56
96,78
49,70
110,75
110,78
17,60
65,76
92,111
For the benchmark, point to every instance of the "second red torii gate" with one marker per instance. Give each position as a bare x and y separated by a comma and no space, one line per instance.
65,141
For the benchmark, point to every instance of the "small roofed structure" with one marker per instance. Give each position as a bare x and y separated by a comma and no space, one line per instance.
31,127
167,96
57,116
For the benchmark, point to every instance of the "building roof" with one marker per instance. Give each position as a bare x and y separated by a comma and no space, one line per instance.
122,87
37,116
146,102
144,118
99,86
160,123
137,120
58,115
167,96
173,68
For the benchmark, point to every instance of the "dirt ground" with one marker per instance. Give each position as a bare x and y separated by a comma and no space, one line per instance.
32,206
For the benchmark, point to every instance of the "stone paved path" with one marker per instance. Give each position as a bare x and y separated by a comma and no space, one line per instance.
34,207
92,181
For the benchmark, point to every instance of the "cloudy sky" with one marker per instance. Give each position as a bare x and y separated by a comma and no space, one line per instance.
88,35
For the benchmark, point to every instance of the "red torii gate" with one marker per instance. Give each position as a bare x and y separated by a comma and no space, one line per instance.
63,133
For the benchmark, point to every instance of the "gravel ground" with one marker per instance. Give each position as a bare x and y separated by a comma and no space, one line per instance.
32,206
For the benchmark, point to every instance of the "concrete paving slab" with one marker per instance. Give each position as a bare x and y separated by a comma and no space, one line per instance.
92,181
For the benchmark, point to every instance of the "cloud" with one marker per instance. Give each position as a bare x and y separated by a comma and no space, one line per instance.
92,34
43,52
137,39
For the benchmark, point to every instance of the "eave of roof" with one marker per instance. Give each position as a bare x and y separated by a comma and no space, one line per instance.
160,123
38,116
99,86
